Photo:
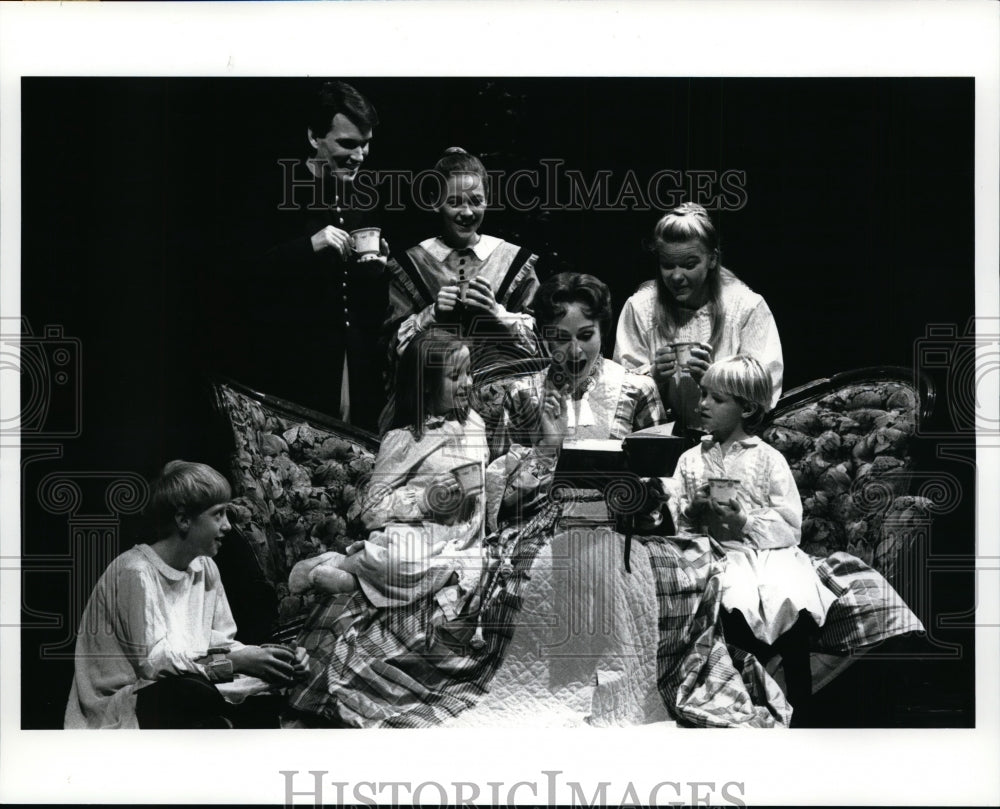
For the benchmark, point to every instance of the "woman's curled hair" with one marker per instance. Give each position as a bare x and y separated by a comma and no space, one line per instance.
554,297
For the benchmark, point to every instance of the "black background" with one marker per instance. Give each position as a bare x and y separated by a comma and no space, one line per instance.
857,229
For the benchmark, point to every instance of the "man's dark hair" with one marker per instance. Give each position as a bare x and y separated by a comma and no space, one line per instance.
339,97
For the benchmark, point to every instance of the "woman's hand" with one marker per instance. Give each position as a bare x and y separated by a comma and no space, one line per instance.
701,358
479,297
447,300
553,402
331,238
664,364
272,663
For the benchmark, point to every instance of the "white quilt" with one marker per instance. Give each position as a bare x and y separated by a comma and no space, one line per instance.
584,651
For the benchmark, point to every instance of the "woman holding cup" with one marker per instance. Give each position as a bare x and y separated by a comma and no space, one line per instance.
695,309
476,285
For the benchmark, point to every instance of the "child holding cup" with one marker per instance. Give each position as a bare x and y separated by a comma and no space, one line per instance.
695,309
157,647
741,493
425,505
476,284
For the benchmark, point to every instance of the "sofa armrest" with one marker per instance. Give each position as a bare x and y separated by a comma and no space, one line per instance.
296,474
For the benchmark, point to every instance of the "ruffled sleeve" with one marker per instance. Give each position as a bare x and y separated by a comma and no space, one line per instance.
778,524
408,314
523,287
634,338
388,497
759,337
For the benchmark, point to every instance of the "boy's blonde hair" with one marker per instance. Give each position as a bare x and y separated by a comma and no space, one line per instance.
745,379
186,487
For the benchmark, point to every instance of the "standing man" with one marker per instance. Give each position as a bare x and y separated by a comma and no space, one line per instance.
310,306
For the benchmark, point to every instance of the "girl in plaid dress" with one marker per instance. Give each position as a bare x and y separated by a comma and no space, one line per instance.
477,285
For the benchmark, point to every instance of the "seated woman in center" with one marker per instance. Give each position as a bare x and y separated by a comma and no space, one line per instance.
582,394
476,285
587,629
408,655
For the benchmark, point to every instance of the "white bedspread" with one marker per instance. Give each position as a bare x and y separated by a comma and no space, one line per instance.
584,651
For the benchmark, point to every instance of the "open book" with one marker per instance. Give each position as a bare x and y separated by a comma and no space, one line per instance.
652,452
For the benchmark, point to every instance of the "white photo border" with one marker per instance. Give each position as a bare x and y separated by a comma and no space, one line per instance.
553,39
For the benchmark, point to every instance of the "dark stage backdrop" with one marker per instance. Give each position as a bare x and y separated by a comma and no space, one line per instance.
847,203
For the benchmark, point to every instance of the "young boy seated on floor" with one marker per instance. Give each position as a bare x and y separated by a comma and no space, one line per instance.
156,646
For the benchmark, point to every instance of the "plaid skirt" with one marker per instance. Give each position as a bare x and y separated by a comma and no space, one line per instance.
413,666
706,683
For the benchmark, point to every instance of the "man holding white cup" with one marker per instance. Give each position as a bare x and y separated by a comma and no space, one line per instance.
315,299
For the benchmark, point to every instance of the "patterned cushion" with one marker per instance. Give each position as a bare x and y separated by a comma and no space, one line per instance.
295,476
850,451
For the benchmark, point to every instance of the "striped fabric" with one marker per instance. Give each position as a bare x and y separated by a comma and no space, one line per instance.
698,679
867,610
706,684
409,666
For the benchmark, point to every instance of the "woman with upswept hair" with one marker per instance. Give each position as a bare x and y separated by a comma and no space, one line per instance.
693,311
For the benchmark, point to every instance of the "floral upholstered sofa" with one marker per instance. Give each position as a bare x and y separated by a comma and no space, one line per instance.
850,441
296,474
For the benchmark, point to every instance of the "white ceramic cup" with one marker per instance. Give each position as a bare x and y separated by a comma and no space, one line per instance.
723,490
366,241
682,353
